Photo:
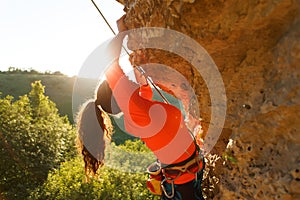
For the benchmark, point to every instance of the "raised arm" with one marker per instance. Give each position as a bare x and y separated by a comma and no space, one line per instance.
127,93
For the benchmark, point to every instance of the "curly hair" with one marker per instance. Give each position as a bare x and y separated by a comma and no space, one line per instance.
94,129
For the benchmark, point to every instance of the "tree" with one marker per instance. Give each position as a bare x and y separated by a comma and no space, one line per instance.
34,139
68,182
11,69
58,73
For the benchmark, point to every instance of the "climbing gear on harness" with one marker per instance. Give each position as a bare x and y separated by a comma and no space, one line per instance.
158,175
154,178
192,167
170,196
170,174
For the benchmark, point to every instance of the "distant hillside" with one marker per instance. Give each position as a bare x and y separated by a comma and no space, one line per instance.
59,88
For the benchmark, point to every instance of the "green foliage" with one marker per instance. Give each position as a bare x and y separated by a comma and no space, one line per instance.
119,137
68,182
58,88
132,156
228,156
34,139
134,146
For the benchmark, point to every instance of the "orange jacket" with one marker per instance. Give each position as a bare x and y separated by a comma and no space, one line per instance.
161,126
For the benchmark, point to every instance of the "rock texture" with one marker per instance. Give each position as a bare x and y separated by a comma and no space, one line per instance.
256,46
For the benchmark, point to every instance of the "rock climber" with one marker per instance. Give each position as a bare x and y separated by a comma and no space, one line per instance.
178,171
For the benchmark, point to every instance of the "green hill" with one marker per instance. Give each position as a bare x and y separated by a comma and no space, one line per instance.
59,88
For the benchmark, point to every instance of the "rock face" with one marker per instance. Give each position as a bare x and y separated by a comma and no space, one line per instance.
256,47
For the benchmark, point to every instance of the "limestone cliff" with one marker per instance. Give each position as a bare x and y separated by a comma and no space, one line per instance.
256,47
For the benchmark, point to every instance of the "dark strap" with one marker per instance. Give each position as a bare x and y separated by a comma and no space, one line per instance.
180,163
187,160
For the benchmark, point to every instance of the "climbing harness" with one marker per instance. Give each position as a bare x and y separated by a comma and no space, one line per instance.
159,175
169,173
139,68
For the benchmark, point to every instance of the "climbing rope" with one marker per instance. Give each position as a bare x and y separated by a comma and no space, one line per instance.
139,68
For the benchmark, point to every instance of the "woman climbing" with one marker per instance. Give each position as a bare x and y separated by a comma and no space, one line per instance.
177,174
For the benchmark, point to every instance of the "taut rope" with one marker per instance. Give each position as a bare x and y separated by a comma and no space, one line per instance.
139,68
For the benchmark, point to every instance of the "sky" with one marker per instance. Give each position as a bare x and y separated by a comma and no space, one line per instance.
53,35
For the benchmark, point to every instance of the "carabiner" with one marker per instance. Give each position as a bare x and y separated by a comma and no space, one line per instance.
164,190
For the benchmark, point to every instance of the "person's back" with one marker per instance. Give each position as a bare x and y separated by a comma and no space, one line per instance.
161,126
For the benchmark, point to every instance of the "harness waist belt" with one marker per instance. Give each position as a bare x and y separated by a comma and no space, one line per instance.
180,163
